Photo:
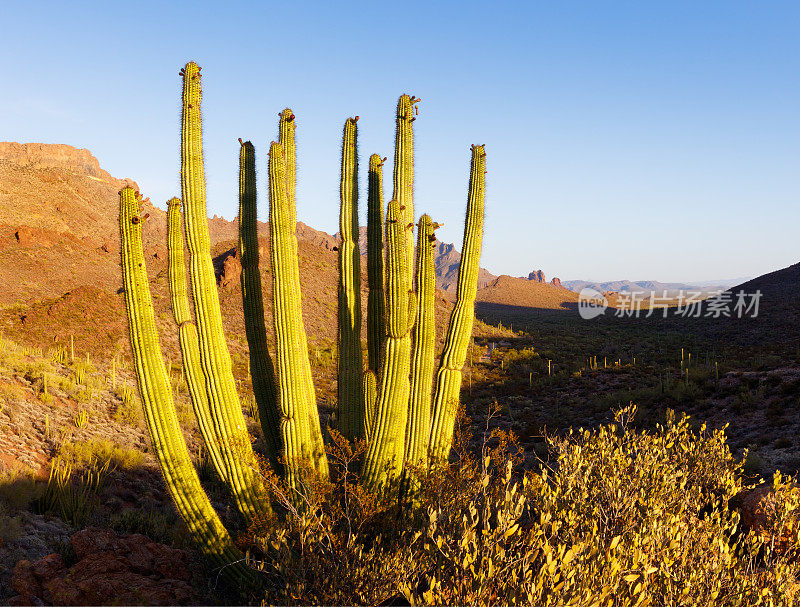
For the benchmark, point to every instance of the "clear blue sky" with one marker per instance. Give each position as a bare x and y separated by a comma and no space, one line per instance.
639,140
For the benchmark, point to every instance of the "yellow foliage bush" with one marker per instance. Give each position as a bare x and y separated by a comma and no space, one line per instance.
618,518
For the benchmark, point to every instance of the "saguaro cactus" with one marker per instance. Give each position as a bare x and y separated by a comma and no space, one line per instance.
187,336
459,331
226,409
159,409
262,370
351,403
299,423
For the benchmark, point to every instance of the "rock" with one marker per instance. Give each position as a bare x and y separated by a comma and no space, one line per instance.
125,569
23,580
537,276
758,509
556,282
231,272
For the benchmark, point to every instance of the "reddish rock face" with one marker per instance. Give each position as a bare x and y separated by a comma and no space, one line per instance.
556,282
111,570
537,276
231,272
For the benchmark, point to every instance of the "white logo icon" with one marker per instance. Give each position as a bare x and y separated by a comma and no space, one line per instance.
591,303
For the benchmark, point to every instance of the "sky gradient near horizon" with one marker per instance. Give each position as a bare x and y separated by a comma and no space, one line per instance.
625,140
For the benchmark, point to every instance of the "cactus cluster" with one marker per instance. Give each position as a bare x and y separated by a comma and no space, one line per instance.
392,401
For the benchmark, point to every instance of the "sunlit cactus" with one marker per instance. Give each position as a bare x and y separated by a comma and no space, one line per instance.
459,331
159,409
235,446
351,399
299,419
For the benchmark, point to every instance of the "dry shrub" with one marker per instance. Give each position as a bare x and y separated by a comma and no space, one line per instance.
620,518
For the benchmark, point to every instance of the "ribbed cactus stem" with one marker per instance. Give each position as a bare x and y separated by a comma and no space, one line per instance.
384,459
262,370
159,408
286,129
226,409
376,275
351,399
422,359
370,394
187,336
403,186
459,331
300,430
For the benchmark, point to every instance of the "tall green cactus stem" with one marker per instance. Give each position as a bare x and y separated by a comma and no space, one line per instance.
384,459
159,409
187,336
299,424
422,359
403,186
286,128
370,394
262,370
226,409
351,403
459,331
376,277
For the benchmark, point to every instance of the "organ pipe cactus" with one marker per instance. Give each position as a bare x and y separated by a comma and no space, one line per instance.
350,385
422,360
159,409
385,455
226,409
299,419
459,331
398,418
187,336
376,276
262,370
403,177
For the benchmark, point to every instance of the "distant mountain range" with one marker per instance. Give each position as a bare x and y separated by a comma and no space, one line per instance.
647,286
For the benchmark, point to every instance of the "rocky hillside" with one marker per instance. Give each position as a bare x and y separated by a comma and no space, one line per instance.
521,292
59,258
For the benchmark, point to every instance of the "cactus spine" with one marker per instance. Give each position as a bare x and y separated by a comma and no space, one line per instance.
422,360
168,444
351,399
459,331
299,425
226,409
262,370
187,336
384,458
